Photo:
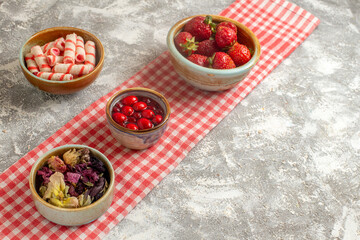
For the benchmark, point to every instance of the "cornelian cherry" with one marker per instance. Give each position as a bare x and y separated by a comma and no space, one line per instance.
144,123
119,117
139,106
127,110
157,119
147,113
129,100
132,126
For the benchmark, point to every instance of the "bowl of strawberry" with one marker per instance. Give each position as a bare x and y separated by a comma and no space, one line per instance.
211,52
137,117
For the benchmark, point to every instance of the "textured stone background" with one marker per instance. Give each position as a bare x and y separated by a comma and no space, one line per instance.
283,165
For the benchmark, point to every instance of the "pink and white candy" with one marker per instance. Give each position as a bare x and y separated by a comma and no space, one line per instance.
58,43
40,59
70,47
31,64
55,76
52,59
74,69
80,51
90,51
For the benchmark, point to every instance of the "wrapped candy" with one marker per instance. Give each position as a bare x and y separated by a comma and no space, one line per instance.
31,64
55,76
90,51
52,59
80,51
40,59
74,69
69,52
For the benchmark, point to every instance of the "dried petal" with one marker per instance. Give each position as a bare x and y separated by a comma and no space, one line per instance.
72,157
56,164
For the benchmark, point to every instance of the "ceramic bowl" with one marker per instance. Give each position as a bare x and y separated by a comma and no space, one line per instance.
61,87
207,78
71,216
137,139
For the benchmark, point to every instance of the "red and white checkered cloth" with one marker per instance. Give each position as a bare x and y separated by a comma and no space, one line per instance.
280,26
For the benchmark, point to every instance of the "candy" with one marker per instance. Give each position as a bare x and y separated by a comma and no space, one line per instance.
31,64
69,51
58,43
90,54
53,51
80,51
55,76
52,59
74,69
40,59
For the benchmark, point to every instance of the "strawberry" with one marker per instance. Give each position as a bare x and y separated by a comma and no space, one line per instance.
229,25
185,43
207,48
198,59
221,60
200,27
225,37
239,53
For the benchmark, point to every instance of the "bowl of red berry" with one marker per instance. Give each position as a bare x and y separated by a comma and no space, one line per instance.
137,117
211,52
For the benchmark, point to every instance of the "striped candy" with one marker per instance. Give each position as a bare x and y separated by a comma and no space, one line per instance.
70,46
90,51
31,64
55,76
40,59
80,51
74,69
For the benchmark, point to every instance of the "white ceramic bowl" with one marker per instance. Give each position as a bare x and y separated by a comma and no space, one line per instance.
71,216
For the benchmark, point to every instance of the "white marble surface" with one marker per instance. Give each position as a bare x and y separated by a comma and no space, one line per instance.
283,165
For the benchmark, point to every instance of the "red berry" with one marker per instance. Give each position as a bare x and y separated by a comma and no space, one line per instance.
198,59
139,106
146,100
207,48
137,115
229,25
151,107
119,117
157,119
147,113
239,53
185,43
221,60
127,110
144,123
129,100
132,126
116,109
131,119
199,27
225,37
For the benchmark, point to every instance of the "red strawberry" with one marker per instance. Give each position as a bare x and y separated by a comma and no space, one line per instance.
221,60
200,27
225,37
185,43
239,53
207,48
228,24
198,59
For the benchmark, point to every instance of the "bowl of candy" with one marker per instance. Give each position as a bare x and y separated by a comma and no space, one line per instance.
72,185
137,117
62,60
211,52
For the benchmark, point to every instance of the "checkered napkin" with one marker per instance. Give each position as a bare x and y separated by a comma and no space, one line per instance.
280,26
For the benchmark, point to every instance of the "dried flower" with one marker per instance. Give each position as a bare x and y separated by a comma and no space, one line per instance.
72,157
56,164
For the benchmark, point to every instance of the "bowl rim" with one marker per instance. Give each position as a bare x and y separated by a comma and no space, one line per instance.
222,72
32,179
24,68
124,129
